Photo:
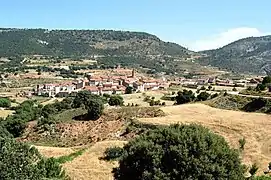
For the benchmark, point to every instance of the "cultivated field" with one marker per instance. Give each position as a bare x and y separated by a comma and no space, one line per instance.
233,125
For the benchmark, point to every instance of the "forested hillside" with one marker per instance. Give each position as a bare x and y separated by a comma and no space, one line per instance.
246,55
84,43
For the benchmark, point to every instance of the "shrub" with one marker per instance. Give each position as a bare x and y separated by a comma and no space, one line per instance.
203,96
163,103
151,102
179,152
254,168
209,88
129,90
214,95
242,143
260,87
80,98
14,125
22,161
113,153
4,132
185,96
234,89
94,107
5,102
203,88
115,101
266,80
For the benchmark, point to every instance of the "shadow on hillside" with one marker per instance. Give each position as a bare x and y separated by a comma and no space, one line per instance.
82,117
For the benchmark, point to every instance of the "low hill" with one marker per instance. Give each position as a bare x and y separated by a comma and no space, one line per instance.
84,43
232,125
251,54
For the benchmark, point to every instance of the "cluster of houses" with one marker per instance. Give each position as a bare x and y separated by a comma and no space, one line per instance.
112,84
102,85
193,83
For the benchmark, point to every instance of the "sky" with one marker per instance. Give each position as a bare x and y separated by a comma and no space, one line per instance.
195,24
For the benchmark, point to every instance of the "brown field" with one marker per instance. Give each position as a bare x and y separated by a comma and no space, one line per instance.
232,125
90,166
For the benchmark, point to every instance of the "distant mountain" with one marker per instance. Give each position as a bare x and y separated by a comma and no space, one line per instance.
84,43
248,55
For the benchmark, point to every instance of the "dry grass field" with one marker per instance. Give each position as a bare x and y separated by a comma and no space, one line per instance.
5,113
233,125
54,151
90,166
138,98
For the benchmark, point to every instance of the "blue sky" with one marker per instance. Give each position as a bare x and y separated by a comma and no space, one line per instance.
197,24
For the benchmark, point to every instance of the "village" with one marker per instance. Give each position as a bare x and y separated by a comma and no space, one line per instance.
110,83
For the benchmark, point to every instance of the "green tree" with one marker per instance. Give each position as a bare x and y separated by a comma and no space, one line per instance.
261,87
14,125
210,87
5,102
179,152
22,161
129,90
95,107
4,132
116,101
80,98
266,80
203,96
185,96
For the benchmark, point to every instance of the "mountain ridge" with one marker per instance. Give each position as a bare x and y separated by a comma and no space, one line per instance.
247,55
84,43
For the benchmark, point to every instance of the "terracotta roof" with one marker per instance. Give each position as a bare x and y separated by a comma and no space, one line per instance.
91,88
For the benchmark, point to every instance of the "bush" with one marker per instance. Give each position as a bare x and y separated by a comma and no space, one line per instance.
254,168
203,88
234,89
14,125
185,96
129,90
147,99
179,152
163,103
214,96
80,98
266,80
5,102
209,88
4,132
22,161
203,96
242,143
115,101
94,107
113,153
260,87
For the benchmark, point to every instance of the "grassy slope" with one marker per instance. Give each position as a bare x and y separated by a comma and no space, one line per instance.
232,125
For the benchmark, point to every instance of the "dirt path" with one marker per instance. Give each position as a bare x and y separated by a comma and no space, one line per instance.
233,125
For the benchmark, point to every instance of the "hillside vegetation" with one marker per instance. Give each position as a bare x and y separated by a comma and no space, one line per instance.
245,55
84,43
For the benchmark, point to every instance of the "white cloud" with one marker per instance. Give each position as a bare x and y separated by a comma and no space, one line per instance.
224,38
